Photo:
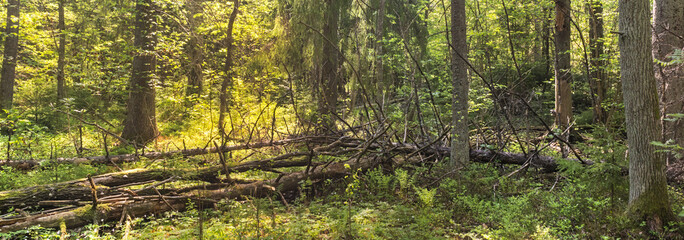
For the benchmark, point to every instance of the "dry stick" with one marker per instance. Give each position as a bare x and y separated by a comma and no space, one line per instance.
171,179
346,123
223,161
273,121
369,143
536,153
351,65
131,184
520,77
106,147
586,61
510,40
251,131
9,144
164,199
491,88
442,135
97,126
292,98
428,85
427,82
93,190
80,140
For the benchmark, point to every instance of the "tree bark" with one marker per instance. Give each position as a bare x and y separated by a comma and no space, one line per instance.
597,60
140,126
648,197
61,86
379,63
668,37
195,51
330,81
227,84
109,184
9,62
460,86
563,75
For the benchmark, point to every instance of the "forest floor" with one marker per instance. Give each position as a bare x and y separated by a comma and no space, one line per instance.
415,202
370,199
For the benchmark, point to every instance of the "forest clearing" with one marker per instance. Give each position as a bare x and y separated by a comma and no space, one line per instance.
342,119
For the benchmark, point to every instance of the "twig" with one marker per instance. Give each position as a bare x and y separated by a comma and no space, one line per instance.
97,126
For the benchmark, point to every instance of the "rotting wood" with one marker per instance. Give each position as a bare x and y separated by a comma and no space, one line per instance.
145,205
110,183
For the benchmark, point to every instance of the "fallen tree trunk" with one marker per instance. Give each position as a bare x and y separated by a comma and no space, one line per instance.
115,202
546,163
139,206
110,183
117,159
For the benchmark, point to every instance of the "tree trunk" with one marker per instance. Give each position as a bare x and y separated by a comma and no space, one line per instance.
668,36
329,79
648,197
597,62
460,84
195,52
379,64
140,125
9,62
546,38
229,72
563,94
61,86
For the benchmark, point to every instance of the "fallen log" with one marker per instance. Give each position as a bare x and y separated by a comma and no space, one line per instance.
546,163
108,184
80,216
118,159
111,206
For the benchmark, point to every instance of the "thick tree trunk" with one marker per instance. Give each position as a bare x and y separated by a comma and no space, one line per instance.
668,37
140,125
195,51
563,94
460,86
597,62
648,197
330,81
227,84
9,62
61,86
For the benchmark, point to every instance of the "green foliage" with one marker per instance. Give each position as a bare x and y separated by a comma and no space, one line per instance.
49,172
274,94
426,196
380,182
33,232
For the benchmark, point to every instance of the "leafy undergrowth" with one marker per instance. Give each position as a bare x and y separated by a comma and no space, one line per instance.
413,203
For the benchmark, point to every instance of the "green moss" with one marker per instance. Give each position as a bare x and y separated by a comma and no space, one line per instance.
85,211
